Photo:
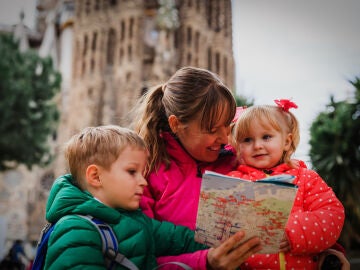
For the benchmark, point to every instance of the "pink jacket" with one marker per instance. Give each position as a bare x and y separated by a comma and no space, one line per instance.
173,194
315,222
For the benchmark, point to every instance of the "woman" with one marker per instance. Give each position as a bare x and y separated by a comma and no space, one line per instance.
186,123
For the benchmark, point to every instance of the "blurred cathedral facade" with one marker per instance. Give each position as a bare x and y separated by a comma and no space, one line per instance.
109,53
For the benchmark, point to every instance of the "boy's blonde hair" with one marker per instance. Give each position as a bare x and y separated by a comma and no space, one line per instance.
100,145
268,116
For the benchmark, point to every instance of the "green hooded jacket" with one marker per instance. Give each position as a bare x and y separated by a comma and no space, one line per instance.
76,244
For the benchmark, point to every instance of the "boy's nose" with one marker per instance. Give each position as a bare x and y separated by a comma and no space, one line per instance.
143,181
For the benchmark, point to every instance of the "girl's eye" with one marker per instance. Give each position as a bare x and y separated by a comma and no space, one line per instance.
246,140
132,172
267,137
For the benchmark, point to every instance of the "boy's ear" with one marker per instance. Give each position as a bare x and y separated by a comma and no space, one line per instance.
173,123
92,176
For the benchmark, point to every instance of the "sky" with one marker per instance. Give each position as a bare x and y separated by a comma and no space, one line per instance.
302,50
10,11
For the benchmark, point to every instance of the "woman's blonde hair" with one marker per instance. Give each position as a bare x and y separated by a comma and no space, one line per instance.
268,115
190,93
100,145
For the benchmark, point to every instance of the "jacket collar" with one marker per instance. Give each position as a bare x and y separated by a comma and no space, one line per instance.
175,149
67,199
279,169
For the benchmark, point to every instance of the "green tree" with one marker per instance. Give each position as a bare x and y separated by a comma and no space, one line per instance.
28,113
335,155
243,101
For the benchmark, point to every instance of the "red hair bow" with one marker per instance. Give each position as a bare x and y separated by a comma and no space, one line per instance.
285,104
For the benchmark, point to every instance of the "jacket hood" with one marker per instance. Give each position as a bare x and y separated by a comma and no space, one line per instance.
65,198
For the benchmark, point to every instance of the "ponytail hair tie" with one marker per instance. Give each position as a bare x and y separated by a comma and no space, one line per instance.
285,104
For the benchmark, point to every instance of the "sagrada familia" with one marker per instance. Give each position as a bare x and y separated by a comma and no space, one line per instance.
109,52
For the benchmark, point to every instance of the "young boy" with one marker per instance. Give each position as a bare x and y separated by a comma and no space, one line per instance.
107,165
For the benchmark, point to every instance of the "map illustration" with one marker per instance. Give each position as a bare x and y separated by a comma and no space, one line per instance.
229,204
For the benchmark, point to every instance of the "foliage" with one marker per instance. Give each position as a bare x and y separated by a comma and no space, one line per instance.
167,17
28,114
243,101
335,155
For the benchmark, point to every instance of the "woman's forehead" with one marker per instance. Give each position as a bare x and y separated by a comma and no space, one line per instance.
219,116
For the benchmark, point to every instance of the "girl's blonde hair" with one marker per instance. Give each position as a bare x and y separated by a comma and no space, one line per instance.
190,93
268,115
100,145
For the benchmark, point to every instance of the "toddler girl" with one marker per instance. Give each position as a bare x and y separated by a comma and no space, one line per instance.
265,137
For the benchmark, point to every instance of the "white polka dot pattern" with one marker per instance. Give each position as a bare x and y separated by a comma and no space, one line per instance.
315,222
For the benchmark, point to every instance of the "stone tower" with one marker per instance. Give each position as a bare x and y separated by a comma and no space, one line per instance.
120,48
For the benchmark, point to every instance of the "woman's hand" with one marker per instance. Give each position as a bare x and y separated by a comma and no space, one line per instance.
230,255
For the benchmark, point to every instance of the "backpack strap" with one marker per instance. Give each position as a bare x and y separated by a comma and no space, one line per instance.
110,245
41,250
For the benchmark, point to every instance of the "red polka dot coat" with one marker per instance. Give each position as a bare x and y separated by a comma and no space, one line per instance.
315,222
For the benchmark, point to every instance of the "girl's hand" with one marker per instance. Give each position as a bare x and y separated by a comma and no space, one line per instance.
230,255
284,245
345,264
